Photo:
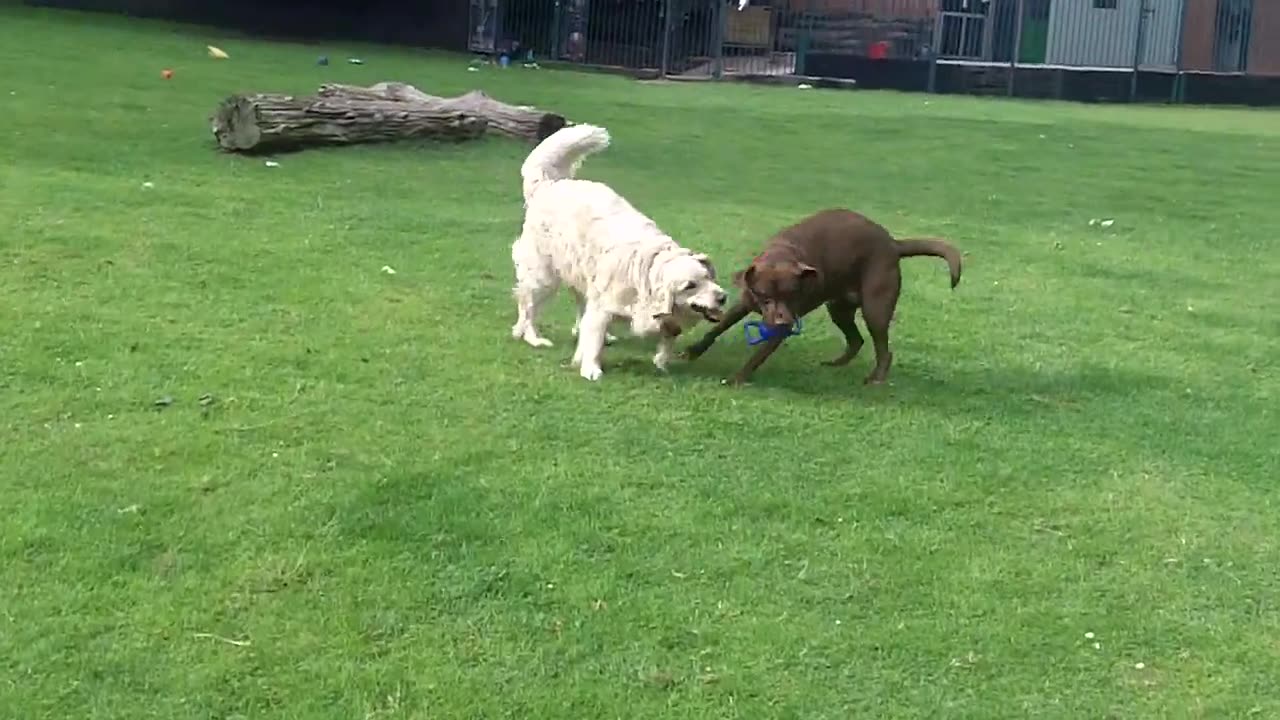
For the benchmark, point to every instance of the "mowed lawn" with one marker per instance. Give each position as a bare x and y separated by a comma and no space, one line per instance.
365,500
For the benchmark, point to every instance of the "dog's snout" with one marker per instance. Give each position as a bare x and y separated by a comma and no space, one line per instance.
778,315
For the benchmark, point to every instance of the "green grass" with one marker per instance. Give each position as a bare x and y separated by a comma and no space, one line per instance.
396,511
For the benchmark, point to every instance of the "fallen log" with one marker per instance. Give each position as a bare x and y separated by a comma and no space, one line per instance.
517,121
268,122
348,114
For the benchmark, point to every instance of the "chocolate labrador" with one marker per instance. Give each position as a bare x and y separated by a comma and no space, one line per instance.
836,257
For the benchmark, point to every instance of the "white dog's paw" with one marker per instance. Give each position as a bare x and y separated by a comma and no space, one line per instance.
591,372
532,337
662,360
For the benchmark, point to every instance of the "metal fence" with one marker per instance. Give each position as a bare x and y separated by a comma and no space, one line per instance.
1060,48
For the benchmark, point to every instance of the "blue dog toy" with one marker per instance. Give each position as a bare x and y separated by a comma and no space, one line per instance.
765,333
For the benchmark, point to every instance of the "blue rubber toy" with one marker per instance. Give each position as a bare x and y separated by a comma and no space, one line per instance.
765,333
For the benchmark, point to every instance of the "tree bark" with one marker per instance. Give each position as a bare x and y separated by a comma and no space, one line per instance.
517,121
348,114
268,122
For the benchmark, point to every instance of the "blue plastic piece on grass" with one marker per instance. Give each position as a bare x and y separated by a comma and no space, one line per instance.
765,333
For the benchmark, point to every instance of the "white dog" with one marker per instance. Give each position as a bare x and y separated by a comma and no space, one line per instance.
618,263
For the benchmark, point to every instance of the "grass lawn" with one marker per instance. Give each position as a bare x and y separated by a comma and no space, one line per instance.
1064,505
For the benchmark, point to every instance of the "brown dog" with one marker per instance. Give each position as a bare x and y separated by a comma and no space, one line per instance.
836,257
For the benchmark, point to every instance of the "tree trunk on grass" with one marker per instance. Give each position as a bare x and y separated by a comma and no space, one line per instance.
347,114
517,121
267,122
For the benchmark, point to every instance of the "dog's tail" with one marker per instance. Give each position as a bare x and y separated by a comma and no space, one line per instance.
937,248
558,156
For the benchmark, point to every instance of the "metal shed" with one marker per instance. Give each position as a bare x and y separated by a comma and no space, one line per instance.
1216,36
1105,33
1264,48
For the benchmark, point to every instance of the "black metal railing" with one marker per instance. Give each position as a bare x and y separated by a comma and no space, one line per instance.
1139,48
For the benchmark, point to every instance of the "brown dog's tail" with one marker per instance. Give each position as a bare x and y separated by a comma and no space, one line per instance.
936,248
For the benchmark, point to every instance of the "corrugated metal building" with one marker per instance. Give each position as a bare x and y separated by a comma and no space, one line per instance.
1229,36
1264,39
876,8
1104,33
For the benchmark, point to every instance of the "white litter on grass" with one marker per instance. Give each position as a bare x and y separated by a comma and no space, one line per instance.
1139,666
473,68
1097,646
804,86
1088,636
1107,223
388,270
148,185
271,163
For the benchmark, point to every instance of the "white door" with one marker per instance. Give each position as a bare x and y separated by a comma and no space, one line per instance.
1160,34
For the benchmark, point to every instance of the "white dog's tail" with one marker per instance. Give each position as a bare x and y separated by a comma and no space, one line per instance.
558,157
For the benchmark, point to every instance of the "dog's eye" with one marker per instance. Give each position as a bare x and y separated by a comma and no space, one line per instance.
690,285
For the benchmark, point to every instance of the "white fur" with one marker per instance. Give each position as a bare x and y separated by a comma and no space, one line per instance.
618,263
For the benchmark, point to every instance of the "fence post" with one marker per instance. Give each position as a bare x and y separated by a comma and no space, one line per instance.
1179,79
498,9
665,62
802,43
717,39
1017,43
1138,48
933,50
557,28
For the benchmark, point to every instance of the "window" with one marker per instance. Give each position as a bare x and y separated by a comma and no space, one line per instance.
1104,4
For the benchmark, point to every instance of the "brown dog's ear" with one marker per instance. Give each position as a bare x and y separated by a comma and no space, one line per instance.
806,270
706,262
743,279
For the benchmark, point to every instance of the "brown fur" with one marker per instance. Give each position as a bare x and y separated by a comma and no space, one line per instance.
834,257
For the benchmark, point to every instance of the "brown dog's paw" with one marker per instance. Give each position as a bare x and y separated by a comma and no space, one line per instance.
734,381
873,380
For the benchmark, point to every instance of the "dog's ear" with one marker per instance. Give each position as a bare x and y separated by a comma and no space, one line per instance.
744,278
706,262
806,271
663,303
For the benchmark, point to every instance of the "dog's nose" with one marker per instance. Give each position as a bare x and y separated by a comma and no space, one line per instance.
721,298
